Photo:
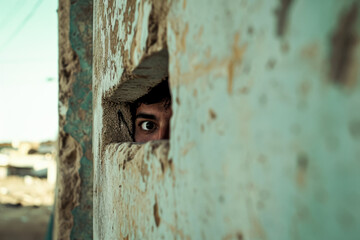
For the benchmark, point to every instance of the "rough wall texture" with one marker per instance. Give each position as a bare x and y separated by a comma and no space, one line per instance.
145,172
73,211
265,140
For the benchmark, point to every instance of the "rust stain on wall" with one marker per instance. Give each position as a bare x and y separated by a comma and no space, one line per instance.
113,38
198,36
257,230
235,59
153,28
302,166
230,63
201,69
129,15
343,43
177,232
156,213
238,236
128,20
354,128
183,38
304,88
144,170
187,148
212,114
310,51
157,26
282,13
161,148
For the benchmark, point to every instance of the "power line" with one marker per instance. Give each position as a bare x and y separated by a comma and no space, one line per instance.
22,24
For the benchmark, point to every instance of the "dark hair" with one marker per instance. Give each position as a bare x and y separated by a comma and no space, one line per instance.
159,93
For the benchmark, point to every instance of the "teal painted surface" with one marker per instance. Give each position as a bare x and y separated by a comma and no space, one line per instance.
265,133
79,114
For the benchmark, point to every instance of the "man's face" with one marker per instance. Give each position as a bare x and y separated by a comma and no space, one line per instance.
152,122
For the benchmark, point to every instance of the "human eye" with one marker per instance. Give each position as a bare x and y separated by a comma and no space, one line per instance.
148,126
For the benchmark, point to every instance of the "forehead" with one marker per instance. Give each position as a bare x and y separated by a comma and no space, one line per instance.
155,108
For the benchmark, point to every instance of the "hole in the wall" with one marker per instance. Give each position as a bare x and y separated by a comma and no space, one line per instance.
120,107
151,114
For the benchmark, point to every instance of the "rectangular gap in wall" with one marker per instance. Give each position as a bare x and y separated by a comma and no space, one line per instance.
118,117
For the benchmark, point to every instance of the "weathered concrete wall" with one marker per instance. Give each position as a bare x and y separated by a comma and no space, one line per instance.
73,204
140,188
265,139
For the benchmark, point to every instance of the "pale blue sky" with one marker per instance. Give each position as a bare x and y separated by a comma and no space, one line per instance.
28,70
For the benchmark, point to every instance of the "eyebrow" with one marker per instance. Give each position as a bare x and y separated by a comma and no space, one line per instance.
146,116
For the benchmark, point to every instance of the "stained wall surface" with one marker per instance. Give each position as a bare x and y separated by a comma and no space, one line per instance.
265,133
73,201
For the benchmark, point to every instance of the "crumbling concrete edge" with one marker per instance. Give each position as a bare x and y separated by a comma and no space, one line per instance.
70,152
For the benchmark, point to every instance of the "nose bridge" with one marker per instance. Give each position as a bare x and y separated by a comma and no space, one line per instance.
164,131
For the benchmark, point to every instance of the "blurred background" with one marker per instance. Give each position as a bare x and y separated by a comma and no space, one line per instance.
28,116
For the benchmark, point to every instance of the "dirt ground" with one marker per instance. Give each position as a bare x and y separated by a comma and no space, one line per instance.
25,207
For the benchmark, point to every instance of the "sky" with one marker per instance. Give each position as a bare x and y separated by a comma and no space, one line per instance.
28,70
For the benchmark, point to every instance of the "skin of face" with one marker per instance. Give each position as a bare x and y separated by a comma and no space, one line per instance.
152,122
